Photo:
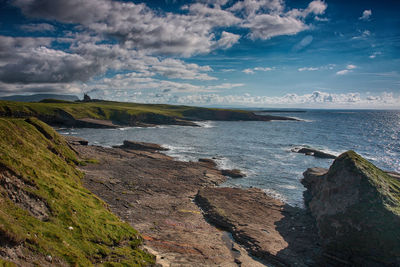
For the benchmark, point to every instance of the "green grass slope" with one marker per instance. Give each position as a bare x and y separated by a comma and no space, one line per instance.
46,214
122,113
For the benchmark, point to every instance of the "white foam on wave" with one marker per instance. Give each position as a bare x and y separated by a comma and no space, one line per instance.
287,186
179,152
205,124
274,194
224,163
124,128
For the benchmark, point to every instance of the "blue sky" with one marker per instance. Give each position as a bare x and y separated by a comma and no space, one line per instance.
264,53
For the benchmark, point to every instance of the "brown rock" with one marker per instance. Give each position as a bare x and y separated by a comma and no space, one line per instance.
209,162
268,228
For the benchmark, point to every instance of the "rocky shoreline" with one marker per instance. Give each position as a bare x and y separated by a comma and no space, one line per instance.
166,200
187,220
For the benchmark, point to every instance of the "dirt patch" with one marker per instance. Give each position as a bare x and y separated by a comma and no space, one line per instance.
21,194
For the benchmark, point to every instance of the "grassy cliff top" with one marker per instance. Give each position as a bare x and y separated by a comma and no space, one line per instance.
105,110
46,210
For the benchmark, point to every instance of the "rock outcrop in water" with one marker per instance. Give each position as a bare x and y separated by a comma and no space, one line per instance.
313,152
357,210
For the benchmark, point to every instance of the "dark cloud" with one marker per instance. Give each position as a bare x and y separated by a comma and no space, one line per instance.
38,27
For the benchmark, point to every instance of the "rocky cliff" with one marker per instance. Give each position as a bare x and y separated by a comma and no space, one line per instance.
357,210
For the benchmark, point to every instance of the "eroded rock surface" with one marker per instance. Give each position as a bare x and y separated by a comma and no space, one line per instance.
268,228
356,206
155,193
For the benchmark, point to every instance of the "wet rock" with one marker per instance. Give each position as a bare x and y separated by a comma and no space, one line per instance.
313,152
73,140
235,173
142,146
357,210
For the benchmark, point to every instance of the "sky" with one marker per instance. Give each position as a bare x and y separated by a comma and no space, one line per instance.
255,53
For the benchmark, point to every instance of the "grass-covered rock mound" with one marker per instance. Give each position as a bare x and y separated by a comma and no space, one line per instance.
357,209
46,216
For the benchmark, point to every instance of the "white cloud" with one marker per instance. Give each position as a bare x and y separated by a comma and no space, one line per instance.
373,55
315,99
342,72
362,35
135,81
366,14
227,40
173,68
248,71
137,26
253,70
349,68
308,69
267,19
263,69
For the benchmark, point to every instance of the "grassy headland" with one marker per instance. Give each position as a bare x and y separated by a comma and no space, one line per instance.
46,215
89,114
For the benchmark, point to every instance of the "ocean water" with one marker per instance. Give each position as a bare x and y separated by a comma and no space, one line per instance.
262,150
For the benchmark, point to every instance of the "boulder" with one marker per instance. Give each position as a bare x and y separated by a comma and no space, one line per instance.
313,152
357,210
142,146
73,140
235,173
208,162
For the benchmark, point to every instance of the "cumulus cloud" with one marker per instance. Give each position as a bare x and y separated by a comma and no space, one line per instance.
173,68
135,81
38,27
315,99
121,36
267,19
227,40
139,27
366,14
30,60
44,65
65,88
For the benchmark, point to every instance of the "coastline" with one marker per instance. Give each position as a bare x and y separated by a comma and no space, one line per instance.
183,215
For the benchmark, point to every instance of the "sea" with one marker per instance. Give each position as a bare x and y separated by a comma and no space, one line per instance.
263,150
